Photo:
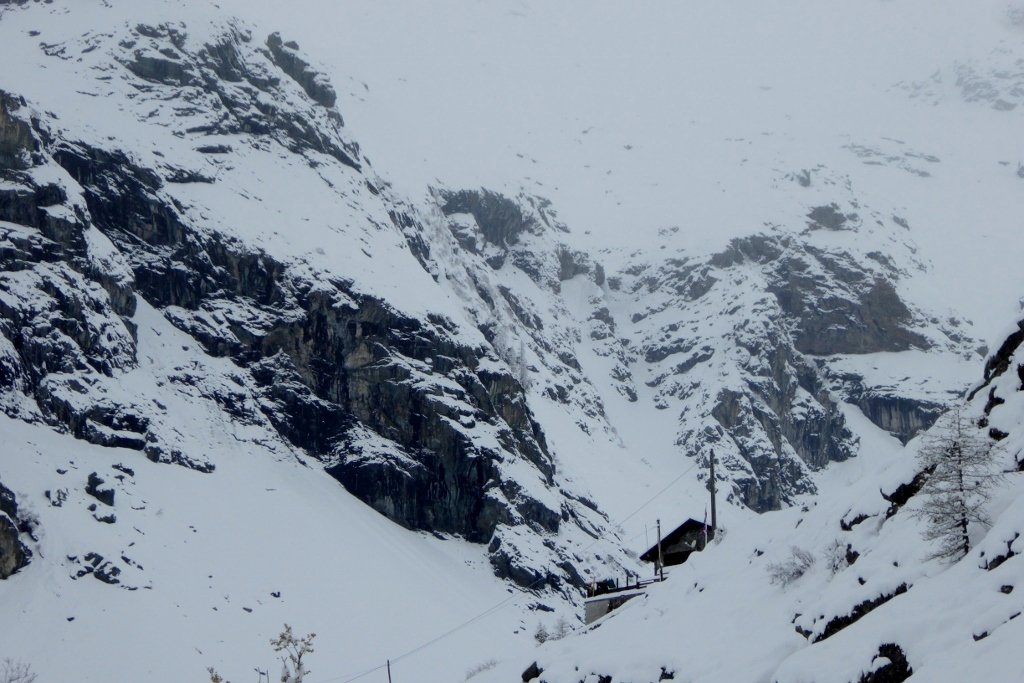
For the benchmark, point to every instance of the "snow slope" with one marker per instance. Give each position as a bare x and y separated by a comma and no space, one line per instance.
721,617
212,565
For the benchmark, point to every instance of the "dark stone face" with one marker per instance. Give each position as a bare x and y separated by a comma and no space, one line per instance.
812,304
328,370
904,418
287,57
999,362
16,140
14,554
896,670
500,218
829,217
339,371
94,487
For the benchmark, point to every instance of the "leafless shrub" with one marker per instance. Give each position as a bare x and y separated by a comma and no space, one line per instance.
792,568
294,649
835,556
480,668
14,671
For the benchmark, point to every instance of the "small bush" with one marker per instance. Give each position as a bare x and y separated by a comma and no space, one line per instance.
541,634
295,648
480,668
562,629
291,649
13,671
796,565
835,556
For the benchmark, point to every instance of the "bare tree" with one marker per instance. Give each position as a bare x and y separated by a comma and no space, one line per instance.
291,648
294,649
13,671
963,474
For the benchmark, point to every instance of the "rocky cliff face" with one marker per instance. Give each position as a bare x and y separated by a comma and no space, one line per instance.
750,349
761,399
406,346
415,413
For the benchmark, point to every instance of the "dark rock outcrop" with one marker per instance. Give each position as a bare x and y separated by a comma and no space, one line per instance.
63,324
996,366
95,565
866,318
904,492
829,217
238,95
94,488
14,554
838,623
896,668
533,671
501,220
286,56
998,560
999,362
17,143
902,417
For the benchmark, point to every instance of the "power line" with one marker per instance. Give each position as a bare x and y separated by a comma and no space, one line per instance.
651,499
356,677
497,606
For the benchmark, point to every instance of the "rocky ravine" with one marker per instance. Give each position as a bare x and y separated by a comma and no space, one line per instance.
749,350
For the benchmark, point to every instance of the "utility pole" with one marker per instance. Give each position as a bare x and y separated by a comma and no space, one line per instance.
389,671
659,570
714,512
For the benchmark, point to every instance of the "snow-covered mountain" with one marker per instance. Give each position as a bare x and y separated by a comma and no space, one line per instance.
869,606
492,363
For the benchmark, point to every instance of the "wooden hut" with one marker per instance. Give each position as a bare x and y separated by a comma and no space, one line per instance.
677,546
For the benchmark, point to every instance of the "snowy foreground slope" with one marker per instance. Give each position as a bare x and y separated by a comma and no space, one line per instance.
247,379
871,607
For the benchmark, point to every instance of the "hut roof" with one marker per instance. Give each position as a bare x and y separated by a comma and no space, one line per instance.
690,526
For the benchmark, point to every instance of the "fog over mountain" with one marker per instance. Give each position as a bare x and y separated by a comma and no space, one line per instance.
403,323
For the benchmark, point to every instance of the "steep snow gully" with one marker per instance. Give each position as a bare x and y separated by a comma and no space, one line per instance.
249,379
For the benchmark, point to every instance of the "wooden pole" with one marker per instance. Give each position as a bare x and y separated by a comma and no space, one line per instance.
659,570
714,511
389,671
